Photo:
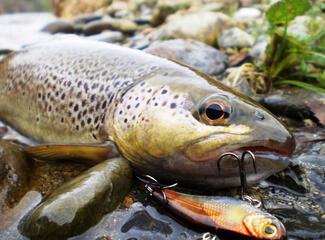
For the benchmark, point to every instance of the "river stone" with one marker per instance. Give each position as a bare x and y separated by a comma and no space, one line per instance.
73,8
244,14
14,177
203,26
235,38
192,53
108,23
60,26
165,8
108,36
79,203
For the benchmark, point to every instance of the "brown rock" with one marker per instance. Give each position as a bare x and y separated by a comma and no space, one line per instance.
14,174
203,26
73,8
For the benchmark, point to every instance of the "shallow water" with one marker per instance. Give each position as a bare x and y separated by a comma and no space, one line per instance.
296,196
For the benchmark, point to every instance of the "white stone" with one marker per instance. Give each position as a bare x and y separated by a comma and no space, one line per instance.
244,14
235,37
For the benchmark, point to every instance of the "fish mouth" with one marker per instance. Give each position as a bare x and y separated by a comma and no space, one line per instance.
195,151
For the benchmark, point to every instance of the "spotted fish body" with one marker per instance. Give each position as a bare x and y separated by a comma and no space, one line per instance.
62,95
78,91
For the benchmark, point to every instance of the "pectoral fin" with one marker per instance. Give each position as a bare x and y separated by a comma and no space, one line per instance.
91,154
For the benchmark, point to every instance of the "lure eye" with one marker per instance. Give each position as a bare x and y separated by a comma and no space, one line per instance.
270,230
213,113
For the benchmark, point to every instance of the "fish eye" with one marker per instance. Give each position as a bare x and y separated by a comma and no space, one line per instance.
270,230
213,112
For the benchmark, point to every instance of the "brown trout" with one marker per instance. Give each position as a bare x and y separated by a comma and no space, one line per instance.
167,119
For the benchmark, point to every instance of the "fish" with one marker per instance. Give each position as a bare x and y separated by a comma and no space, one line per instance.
167,119
223,213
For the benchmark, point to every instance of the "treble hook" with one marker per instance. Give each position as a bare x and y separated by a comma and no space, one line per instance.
241,168
153,185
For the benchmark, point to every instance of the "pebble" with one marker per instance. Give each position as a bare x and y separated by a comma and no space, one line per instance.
192,53
80,203
204,26
107,23
108,37
244,14
235,38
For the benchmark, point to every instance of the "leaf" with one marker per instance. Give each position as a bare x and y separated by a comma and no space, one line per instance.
303,85
284,11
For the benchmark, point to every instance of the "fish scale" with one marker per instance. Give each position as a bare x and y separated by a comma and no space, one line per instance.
67,87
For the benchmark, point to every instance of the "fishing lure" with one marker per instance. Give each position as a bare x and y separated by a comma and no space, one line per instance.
220,213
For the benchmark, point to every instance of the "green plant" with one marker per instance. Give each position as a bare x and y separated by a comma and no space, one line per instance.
289,60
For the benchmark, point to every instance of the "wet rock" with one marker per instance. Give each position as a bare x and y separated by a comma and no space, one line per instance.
107,23
14,174
258,51
202,26
165,8
118,9
73,8
245,14
10,219
80,203
235,38
59,26
192,53
298,104
108,36
141,221
87,18
139,41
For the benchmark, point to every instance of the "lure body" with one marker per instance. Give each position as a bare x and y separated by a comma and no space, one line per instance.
223,213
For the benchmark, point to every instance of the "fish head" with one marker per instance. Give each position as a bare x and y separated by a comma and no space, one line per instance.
183,124
264,226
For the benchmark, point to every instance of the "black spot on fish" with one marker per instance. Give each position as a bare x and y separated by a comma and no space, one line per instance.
96,120
76,108
92,98
89,120
97,106
125,120
164,91
173,105
136,106
176,96
104,104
